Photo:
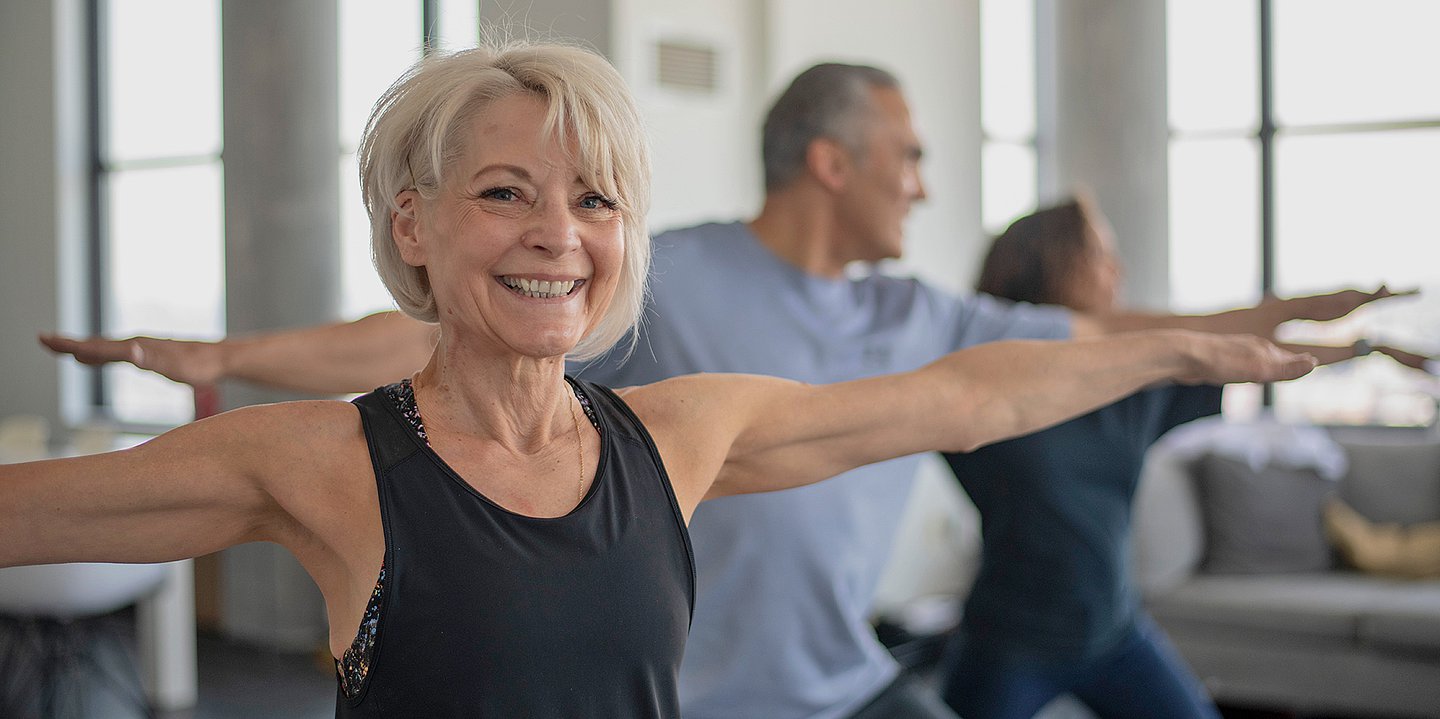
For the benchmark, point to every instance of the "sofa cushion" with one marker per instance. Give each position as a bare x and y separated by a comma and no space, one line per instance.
1405,618
1317,605
1262,521
1394,476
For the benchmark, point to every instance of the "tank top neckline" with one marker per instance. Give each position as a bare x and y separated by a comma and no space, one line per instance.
598,420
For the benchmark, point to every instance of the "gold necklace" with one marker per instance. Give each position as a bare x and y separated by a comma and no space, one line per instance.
579,449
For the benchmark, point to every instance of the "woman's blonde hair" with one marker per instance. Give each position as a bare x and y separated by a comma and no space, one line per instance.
420,126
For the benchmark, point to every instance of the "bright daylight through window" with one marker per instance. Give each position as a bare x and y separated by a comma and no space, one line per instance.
1350,142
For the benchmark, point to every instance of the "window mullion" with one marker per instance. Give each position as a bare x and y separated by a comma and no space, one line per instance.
97,256
1266,137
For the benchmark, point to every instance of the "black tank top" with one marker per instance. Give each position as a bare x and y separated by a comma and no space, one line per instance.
488,613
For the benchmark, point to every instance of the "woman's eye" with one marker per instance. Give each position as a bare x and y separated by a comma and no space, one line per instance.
503,194
596,202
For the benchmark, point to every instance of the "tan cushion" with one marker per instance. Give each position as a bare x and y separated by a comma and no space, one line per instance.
1385,548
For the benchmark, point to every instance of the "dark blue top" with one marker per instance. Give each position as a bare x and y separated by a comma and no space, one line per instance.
1055,511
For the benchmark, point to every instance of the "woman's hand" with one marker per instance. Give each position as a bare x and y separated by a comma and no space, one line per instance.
1331,306
192,363
1223,359
1409,359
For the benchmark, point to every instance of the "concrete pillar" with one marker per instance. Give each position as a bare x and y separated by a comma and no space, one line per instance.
1103,124
282,251
42,198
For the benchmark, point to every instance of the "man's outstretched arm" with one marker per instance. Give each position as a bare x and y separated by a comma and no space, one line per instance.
328,359
1260,320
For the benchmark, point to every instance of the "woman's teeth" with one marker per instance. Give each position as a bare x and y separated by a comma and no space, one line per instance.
539,288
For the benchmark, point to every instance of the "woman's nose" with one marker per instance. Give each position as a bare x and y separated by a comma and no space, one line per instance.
553,230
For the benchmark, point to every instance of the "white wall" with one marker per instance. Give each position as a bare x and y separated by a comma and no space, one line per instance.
705,147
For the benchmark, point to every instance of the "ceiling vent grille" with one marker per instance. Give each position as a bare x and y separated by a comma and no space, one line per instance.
685,66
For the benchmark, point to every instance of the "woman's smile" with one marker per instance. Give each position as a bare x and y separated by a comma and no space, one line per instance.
543,289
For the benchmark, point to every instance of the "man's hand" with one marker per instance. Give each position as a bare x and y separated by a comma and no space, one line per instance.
192,363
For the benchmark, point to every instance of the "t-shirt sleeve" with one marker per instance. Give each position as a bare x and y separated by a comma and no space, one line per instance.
1187,403
622,366
981,318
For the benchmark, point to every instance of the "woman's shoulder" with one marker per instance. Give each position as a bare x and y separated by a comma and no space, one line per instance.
315,428
318,414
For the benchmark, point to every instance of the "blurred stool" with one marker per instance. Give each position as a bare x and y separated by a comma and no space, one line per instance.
56,621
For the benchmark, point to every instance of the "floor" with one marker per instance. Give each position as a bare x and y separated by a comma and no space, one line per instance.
91,676
237,681
242,682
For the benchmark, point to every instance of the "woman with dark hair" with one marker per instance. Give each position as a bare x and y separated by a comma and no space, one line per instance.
1053,609
1060,255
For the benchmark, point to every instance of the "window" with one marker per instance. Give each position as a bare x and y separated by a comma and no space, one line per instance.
158,231
378,40
1007,111
1296,168
158,189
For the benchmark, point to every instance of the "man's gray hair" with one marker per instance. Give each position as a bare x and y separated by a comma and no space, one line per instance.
830,100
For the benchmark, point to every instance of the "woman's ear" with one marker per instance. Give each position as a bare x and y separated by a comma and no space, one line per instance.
829,163
405,228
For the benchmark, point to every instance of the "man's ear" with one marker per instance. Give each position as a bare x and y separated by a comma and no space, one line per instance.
405,228
829,163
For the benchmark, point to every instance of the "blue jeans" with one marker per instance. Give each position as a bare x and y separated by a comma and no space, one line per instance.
1142,677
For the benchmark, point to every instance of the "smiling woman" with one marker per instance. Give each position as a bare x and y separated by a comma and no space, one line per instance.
557,111
482,551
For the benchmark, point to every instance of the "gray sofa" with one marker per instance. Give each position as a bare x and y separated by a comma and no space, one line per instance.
1315,639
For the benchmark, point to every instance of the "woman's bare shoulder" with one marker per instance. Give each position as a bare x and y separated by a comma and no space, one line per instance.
304,421
266,438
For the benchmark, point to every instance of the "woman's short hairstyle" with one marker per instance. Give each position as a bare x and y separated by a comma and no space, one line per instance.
830,100
1033,258
421,125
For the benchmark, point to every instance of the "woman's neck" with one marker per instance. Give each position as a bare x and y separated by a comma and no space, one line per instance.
519,402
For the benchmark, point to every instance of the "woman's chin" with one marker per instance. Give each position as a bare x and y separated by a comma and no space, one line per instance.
546,346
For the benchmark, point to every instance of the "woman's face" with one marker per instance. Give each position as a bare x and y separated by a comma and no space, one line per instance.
1092,282
519,250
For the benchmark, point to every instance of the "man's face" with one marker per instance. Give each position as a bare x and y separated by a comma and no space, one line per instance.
886,181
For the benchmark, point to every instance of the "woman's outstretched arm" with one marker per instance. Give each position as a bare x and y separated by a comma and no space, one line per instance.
239,477
729,434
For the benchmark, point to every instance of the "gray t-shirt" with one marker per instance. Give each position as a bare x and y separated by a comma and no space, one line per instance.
786,579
